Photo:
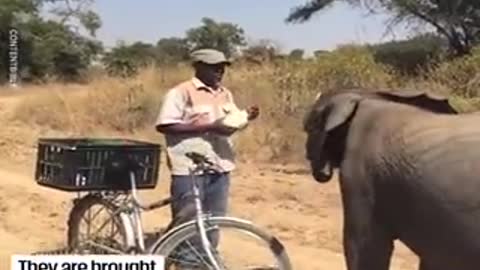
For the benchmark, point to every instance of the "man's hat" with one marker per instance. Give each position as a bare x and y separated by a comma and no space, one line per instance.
209,56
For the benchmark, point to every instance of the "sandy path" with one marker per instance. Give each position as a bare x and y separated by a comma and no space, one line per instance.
31,217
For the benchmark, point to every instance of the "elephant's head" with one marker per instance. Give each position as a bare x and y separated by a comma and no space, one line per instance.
328,120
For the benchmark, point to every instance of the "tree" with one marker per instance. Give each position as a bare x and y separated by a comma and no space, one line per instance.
318,53
260,51
125,60
296,54
47,47
56,50
457,20
76,12
410,56
169,50
226,37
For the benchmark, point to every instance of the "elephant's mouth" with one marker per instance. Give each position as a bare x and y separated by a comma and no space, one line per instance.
322,173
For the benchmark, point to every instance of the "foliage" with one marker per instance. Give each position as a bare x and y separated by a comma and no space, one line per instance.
461,75
57,51
46,48
318,53
124,60
226,37
171,50
76,12
296,54
456,20
304,12
261,51
349,66
411,56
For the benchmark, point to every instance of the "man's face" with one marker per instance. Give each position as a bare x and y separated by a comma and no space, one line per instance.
211,74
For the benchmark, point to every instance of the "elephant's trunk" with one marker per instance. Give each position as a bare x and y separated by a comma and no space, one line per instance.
322,169
324,173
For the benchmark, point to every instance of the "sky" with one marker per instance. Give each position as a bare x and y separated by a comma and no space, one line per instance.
150,20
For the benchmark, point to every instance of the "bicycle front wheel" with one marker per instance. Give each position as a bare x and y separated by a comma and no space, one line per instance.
237,244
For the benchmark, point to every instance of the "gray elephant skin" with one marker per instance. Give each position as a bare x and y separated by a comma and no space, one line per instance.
408,169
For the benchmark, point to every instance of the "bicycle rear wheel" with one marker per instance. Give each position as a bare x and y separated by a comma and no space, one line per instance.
94,227
249,243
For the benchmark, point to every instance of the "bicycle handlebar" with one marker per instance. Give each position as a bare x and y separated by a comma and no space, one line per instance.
201,161
198,158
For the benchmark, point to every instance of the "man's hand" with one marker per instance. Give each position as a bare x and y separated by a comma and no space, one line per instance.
202,121
221,129
224,130
253,112
198,123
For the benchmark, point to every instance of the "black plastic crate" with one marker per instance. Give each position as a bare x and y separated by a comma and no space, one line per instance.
94,164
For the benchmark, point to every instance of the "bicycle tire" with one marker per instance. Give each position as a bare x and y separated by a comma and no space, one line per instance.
77,212
177,235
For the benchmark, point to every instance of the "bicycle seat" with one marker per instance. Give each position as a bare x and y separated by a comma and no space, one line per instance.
118,168
122,162
198,158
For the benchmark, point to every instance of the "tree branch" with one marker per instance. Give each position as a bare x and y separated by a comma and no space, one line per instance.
303,13
426,18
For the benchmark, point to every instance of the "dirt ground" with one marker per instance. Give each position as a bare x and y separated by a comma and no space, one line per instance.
305,215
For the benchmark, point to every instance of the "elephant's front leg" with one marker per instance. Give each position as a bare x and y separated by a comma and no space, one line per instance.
368,246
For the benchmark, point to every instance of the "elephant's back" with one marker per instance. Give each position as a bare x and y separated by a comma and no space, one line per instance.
438,183
436,142
444,151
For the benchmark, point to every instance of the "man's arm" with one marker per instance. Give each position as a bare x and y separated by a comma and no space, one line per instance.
194,129
170,119
183,128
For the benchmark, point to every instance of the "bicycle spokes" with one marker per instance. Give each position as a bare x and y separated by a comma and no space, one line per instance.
225,245
97,230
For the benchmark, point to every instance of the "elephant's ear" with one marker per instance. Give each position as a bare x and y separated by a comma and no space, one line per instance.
422,99
340,111
333,111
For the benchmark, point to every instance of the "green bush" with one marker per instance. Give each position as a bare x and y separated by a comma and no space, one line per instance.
410,57
349,66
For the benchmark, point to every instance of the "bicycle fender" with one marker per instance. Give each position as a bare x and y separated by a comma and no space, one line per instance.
128,226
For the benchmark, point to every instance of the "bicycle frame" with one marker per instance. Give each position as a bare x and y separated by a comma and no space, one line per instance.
137,217
199,218
132,219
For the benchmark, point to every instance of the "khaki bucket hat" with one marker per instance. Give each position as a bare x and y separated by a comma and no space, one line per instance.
209,56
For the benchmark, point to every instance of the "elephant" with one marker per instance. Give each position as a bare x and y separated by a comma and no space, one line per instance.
408,167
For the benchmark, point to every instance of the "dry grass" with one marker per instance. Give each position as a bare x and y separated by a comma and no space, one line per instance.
283,90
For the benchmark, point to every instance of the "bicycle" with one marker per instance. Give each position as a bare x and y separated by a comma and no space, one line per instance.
124,215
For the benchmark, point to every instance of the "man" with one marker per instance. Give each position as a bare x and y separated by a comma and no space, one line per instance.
188,121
